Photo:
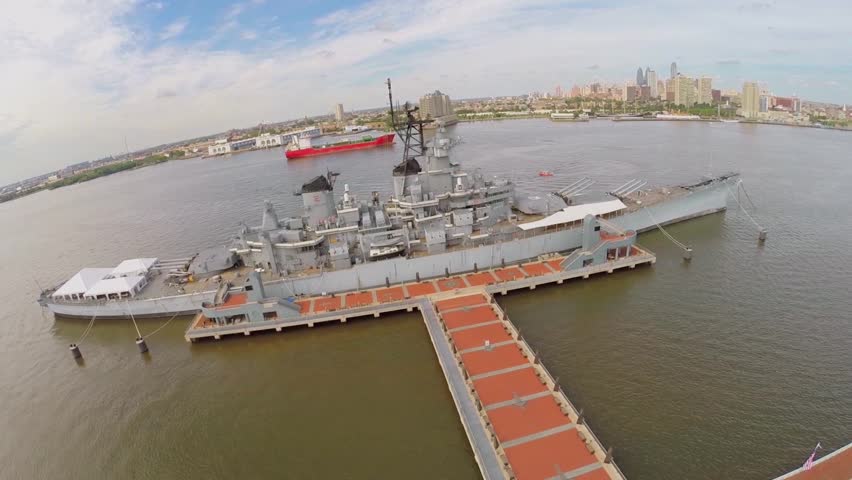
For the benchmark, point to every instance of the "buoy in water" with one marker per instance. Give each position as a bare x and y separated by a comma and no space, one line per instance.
140,343
75,351
687,254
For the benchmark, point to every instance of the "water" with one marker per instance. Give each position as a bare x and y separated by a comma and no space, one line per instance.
732,366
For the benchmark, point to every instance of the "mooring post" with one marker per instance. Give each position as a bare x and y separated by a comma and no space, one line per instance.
608,458
141,345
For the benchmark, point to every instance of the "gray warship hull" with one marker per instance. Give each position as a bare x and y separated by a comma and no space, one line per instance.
699,201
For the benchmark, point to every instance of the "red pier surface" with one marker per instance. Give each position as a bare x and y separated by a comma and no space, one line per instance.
537,435
837,465
313,151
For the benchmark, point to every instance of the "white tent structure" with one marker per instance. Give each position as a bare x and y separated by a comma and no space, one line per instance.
574,213
80,283
117,287
133,267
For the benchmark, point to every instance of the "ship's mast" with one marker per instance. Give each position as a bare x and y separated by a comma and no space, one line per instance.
412,136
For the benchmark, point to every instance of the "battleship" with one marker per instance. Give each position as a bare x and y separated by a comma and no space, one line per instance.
439,220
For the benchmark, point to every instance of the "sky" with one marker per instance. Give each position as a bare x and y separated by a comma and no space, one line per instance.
78,77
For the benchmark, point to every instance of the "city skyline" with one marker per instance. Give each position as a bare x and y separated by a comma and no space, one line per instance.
157,72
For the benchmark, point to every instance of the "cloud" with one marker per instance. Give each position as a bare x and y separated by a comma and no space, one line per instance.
727,62
174,29
248,35
593,67
235,10
155,5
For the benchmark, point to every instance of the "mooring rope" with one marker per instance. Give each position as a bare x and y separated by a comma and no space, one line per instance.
743,208
138,333
679,244
161,326
87,330
748,197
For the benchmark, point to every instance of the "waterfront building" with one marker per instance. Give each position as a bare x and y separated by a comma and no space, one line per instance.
765,103
645,92
684,91
220,147
338,112
651,81
789,103
661,90
437,104
267,140
629,93
750,99
705,90
674,71
716,95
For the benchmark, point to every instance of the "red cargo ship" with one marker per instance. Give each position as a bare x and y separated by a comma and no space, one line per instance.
295,151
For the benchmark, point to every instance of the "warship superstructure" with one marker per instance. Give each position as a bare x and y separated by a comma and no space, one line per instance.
440,219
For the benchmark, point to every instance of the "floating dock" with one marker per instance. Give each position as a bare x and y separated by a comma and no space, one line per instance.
519,421
534,429
393,298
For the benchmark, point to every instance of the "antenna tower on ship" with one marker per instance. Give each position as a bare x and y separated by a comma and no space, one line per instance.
411,132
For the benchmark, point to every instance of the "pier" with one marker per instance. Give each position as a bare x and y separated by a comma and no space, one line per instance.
518,420
837,465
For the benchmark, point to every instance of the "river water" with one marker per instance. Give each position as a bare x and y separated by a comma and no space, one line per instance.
731,366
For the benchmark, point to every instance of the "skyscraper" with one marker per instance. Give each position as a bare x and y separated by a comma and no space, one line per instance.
674,70
338,112
640,78
684,91
751,99
705,90
651,80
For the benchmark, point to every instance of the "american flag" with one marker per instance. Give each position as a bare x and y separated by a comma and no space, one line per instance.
810,461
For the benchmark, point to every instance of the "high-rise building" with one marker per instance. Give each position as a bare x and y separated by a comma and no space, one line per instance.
640,77
338,112
705,90
684,91
661,89
674,70
717,95
750,99
651,81
630,93
435,104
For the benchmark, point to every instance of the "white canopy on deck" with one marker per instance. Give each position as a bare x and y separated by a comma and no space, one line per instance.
81,282
117,287
574,213
134,266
